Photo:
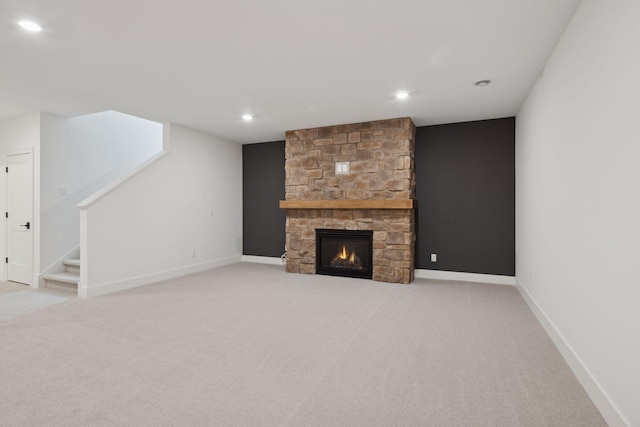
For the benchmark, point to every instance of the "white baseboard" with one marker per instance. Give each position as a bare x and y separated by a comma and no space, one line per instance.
465,277
600,398
134,282
262,259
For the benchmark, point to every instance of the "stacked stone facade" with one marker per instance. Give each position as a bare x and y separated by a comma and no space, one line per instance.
381,160
380,155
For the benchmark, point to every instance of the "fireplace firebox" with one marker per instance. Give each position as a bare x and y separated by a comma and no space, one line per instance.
347,253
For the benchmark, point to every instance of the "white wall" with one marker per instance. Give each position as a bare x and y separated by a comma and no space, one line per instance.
146,228
81,155
16,134
578,203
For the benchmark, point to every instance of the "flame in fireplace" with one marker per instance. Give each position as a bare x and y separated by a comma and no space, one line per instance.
346,259
343,253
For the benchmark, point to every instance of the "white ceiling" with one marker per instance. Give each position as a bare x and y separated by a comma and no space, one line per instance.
292,63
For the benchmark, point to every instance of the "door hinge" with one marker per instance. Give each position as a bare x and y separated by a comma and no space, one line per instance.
6,260
7,169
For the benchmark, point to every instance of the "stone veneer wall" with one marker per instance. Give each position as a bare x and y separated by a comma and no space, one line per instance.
381,161
380,155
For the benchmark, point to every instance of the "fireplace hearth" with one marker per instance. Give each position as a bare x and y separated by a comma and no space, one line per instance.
347,253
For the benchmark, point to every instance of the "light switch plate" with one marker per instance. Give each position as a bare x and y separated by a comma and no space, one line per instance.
342,168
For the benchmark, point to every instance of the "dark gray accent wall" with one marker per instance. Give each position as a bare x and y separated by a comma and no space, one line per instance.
465,187
263,222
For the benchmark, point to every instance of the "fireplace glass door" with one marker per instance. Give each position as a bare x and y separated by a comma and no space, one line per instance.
346,253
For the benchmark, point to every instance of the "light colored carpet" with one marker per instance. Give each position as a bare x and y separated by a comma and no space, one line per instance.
248,344
6,287
15,303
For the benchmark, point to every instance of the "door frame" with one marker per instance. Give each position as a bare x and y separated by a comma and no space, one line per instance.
35,171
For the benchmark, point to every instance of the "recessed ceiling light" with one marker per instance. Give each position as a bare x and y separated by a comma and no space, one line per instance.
30,26
403,94
482,83
247,117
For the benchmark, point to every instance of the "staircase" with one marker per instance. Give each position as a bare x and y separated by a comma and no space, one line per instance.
66,280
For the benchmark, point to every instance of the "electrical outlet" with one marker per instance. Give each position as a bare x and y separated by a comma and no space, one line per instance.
434,257
193,253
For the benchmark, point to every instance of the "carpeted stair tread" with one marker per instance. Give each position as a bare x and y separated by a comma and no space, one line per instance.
63,277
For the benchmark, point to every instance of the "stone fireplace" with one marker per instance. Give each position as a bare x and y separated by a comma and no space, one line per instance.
357,176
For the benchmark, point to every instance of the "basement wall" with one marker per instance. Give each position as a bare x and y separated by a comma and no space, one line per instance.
465,182
577,204
465,185
262,188
80,155
180,213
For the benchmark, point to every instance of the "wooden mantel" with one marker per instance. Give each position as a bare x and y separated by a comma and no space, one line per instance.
347,204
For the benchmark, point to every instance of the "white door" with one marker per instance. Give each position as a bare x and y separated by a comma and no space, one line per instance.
20,218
